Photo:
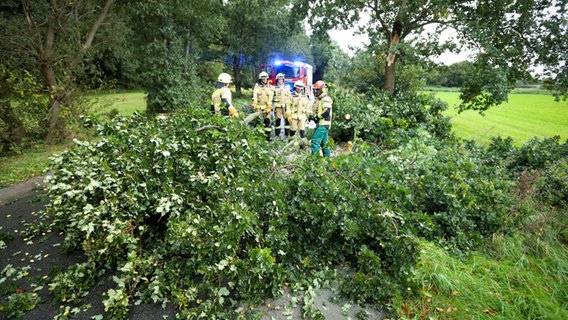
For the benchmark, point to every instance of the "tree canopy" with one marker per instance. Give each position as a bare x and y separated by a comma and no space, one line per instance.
509,37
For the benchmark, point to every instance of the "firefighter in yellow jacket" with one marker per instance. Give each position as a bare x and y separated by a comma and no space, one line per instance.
262,96
221,101
282,100
298,111
322,116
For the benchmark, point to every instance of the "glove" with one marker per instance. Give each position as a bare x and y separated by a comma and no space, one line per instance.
233,112
311,117
254,106
288,115
268,108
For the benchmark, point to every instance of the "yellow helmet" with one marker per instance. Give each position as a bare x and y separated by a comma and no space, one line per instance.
225,78
263,74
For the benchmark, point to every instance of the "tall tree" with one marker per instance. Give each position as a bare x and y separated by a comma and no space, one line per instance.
502,31
55,36
255,30
168,36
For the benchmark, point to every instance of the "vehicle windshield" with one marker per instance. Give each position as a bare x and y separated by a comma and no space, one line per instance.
289,72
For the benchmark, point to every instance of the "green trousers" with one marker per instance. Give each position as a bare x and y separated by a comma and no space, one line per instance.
319,141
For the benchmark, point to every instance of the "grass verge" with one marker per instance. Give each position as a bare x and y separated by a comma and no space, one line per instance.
518,276
29,164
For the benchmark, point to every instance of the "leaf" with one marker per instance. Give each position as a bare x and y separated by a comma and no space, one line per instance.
426,293
223,292
490,311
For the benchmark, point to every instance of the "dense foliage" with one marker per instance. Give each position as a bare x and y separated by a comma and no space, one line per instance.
202,212
380,118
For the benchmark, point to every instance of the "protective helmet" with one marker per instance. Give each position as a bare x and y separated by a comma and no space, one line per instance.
320,85
263,74
299,84
225,78
280,76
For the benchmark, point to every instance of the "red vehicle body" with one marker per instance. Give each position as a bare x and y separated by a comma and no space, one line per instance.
293,71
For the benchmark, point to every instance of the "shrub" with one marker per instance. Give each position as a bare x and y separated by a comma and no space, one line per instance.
553,185
380,117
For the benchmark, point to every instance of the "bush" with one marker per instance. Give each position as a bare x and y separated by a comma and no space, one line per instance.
380,117
553,185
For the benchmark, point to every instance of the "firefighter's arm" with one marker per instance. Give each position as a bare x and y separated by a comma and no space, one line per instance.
268,108
255,98
288,113
327,102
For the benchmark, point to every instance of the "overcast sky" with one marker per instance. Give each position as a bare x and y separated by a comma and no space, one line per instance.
347,38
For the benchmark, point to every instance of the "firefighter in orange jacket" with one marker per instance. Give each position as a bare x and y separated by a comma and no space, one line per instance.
221,101
282,100
322,116
262,96
298,111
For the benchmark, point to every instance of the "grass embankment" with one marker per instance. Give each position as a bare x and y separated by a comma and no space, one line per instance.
521,276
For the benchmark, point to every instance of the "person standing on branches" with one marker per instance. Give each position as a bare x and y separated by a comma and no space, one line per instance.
262,96
221,101
282,99
322,117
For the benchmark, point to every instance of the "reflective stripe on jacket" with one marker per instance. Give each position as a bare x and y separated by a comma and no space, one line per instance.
299,105
282,96
221,100
262,94
322,109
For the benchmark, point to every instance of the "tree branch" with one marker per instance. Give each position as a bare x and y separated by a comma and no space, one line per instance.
91,35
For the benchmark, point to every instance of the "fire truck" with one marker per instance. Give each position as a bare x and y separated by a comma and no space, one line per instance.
292,70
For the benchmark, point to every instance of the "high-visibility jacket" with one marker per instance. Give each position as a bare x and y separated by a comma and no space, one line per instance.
262,94
221,101
322,110
299,106
282,97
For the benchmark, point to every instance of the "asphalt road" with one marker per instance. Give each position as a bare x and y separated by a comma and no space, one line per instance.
20,205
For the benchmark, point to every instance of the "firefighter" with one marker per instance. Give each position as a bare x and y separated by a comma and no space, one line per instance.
282,99
298,111
262,97
322,116
221,101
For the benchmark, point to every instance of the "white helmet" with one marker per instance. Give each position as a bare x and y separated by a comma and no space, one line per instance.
299,84
263,74
225,78
280,76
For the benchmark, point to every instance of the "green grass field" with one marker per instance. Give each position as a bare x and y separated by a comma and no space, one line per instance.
523,117
126,103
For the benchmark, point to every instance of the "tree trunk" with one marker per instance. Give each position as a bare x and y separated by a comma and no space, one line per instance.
237,68
59,91
391,58
389,77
